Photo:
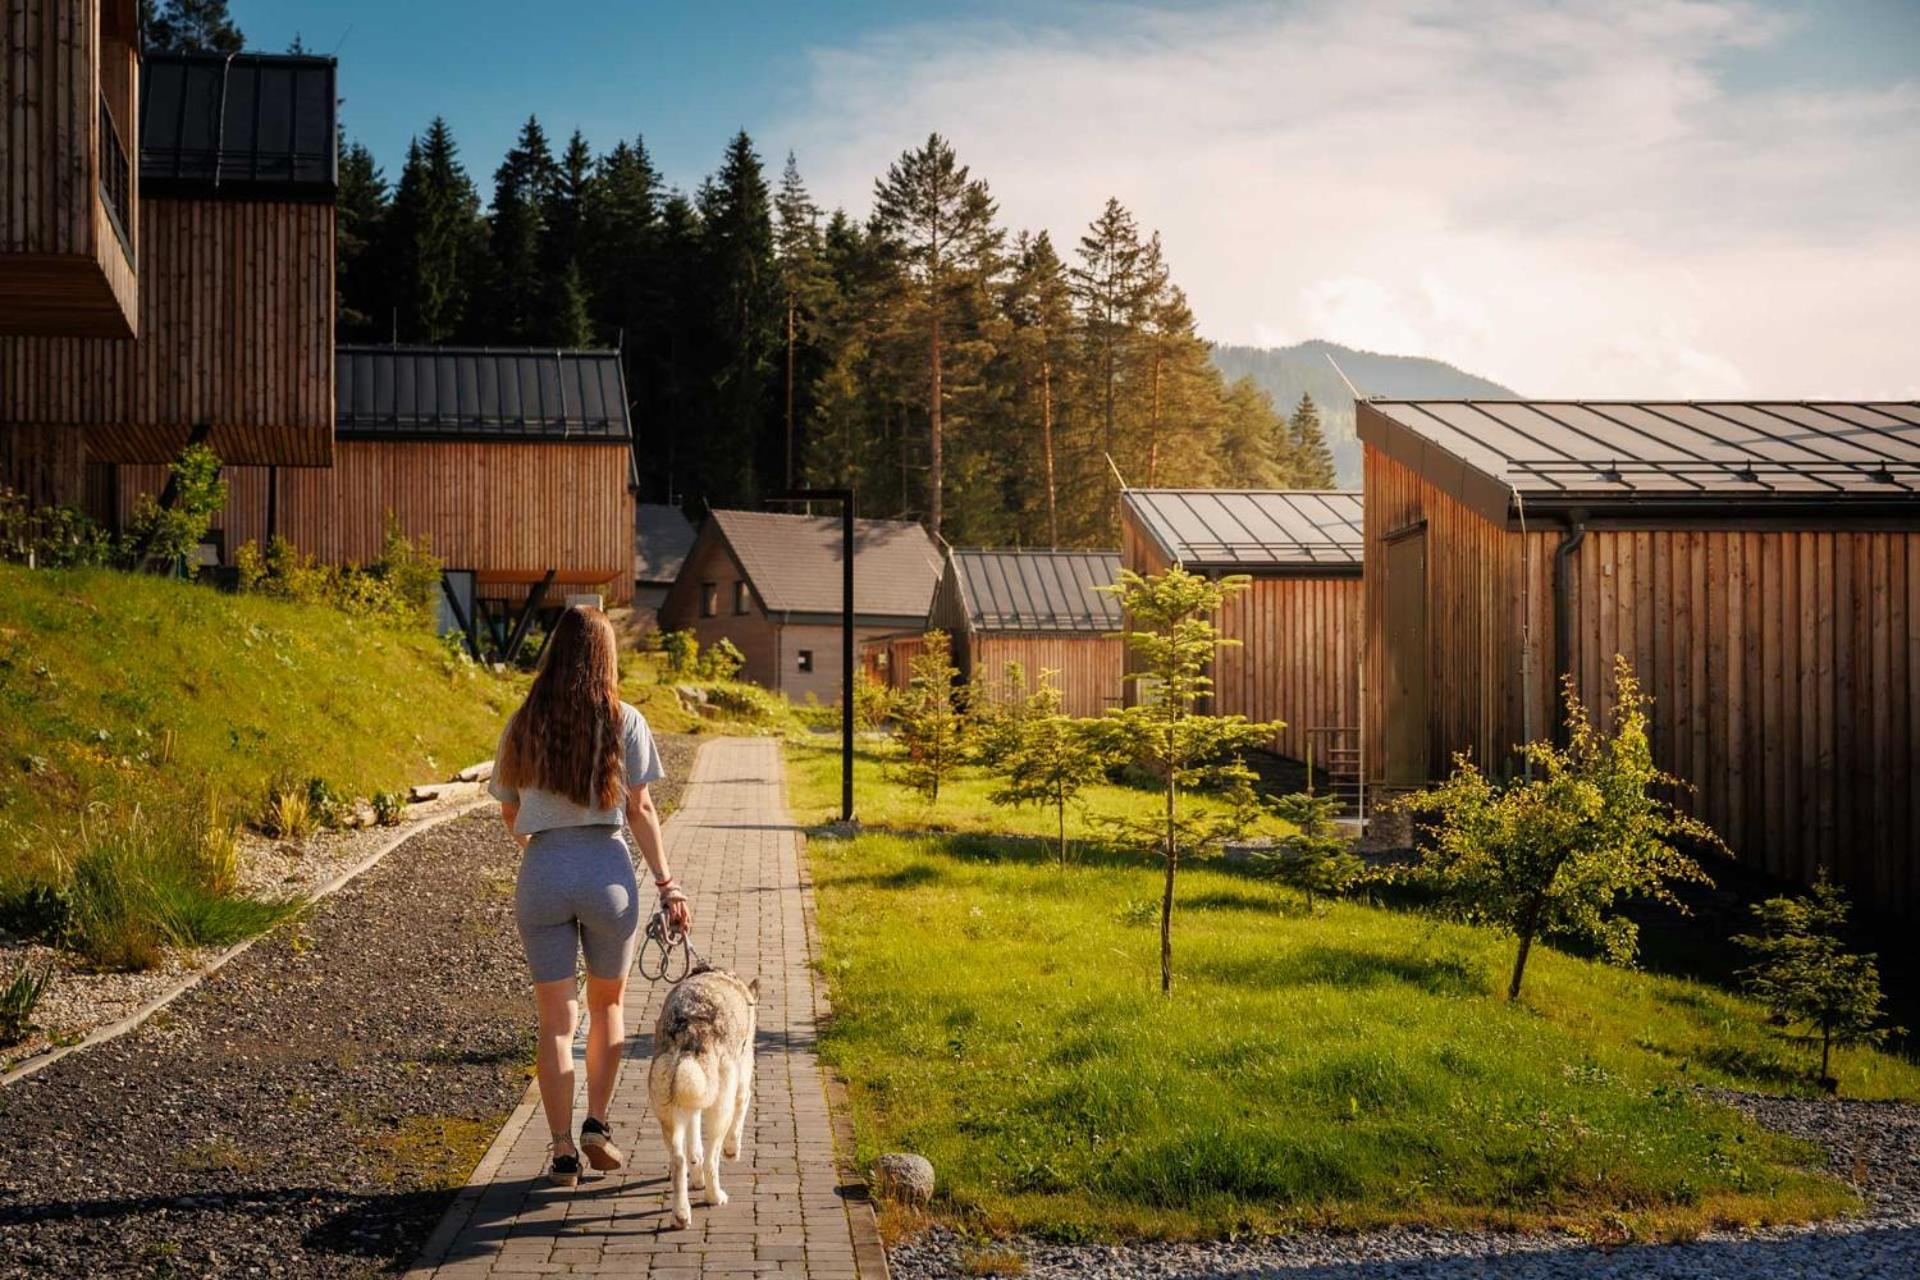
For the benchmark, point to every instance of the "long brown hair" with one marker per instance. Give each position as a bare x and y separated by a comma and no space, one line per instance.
566,737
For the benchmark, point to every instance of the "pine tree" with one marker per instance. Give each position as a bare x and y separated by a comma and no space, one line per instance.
517,296
941,220
1109,288
362,289
190,26
736,218
562,318
1312,461
804,295
1806,976
1250,432
1039,302
1053,759
1313,858
435,240
931,731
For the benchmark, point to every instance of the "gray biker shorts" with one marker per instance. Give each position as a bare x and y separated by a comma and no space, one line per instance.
577,892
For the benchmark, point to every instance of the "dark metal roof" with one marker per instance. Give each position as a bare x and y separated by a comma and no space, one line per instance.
1039,590
250,126
662,536
1750,452
794,562
1253,529
463,393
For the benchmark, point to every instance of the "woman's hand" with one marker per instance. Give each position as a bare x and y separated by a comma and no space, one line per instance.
673,900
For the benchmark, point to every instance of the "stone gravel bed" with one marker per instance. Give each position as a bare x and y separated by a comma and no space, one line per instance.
309,1110
1874,1146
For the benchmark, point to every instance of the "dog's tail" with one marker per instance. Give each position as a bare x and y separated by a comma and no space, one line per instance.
688,1086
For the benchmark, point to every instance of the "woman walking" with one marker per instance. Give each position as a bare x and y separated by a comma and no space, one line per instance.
573,760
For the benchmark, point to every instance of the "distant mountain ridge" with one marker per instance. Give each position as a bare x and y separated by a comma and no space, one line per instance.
1287,372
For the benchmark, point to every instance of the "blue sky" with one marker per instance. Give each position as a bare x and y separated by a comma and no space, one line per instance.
1589,197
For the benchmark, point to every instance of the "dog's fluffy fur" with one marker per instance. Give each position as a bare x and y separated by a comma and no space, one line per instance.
702,1070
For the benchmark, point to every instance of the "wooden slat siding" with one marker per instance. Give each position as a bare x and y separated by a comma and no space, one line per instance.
483,506
1087,668
236,304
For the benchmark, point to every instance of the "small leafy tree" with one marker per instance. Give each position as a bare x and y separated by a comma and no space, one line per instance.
168,535
1055,758
930,728
1314,859
1804,974
1553,854
722,660
682,650
1171,631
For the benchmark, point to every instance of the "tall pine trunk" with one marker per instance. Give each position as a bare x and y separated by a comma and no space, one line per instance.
1046,447
790,346
934,470
1153,428
1166,892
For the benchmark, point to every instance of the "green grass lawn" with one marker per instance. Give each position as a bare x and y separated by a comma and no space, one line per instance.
119,690
813,765
1352,1067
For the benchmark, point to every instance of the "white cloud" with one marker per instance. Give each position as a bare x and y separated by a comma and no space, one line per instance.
1569,198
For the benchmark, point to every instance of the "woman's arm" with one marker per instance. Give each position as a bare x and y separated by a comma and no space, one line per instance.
509,813
644,820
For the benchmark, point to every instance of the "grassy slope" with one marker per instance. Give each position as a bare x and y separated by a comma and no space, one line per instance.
118,689
1351,1067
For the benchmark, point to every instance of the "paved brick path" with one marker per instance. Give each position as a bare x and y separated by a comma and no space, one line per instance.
735,849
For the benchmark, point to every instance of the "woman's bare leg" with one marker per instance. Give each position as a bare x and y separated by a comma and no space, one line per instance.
606,1037
559,1014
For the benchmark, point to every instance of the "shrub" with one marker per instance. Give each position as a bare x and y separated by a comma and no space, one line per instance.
682,650
388,808
328,808
930,726
1553,854
721,661
1804,974
872,702
288,811
35,912
746,702
168,536
400,587
1314,859
1175,639
19,998
51,537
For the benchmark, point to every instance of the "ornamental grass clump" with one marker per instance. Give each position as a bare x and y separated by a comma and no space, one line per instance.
1553,853
1171,632
1813,986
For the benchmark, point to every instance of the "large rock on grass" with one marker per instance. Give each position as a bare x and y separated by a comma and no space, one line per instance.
904,1178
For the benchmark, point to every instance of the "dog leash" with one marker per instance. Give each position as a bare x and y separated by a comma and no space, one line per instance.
663,941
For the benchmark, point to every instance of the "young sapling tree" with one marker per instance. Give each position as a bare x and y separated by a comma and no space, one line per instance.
1552,854
1314,858
1170,630
1804,974
930,728
1055,757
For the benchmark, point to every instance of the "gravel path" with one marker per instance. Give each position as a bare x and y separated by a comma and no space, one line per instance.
308,1111
1874,1146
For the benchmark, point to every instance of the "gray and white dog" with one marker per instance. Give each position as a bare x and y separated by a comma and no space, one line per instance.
702,1069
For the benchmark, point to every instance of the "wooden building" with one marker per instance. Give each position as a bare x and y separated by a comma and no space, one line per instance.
1298,629
233,231
1041,609
662,536
1758,563
71,214
515,466
771,583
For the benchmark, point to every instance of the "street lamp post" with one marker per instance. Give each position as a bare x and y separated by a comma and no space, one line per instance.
845,498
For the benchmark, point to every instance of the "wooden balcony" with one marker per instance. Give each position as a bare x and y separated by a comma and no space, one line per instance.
69,80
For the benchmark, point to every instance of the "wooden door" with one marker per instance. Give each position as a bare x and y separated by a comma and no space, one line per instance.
1406,640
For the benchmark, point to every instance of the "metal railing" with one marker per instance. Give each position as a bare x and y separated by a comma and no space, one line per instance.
116,178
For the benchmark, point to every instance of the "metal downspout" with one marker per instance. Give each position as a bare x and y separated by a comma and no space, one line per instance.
1563,606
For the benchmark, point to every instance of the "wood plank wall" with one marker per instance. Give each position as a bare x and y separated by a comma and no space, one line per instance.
1784,666
506,507
1087,667
1298,659
236,305
49,84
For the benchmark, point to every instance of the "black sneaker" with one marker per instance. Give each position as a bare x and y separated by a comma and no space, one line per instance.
565,1169
596,1140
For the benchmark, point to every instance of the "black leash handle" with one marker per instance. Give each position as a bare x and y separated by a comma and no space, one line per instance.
663,942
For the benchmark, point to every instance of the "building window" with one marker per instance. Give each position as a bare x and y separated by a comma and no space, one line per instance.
804,659
709,599
740,597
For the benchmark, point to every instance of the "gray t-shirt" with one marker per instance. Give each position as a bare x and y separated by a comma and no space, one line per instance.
542,810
